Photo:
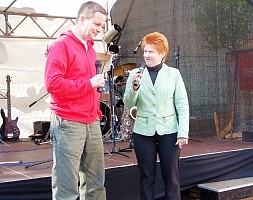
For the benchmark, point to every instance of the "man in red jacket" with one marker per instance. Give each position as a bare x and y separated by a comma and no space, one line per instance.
71,79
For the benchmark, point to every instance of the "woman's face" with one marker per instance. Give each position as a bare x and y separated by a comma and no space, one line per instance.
151,56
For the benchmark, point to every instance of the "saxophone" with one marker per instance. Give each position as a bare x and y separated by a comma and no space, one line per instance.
127,124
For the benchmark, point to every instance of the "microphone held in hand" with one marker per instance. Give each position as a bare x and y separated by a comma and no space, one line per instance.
141,69
136,82
98,65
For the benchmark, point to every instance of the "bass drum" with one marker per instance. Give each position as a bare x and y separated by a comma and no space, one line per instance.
105,123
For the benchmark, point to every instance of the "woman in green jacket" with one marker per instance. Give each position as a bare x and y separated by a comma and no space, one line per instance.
162,121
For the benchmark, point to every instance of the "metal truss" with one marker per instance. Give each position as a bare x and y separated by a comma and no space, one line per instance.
8,31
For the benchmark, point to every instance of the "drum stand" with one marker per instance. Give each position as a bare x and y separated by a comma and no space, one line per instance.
113,149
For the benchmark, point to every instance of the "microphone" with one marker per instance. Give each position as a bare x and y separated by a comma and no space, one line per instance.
98,65
37,100
136,49
141,69
32,104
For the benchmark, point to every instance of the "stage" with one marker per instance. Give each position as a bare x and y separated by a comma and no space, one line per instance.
25,167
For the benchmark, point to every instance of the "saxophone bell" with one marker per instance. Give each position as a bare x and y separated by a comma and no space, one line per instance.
133,112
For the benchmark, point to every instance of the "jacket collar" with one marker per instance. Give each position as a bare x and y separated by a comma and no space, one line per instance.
163,74
70,34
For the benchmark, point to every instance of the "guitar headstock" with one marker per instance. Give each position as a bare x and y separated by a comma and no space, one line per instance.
8,78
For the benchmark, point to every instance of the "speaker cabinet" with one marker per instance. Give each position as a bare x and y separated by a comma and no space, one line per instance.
41,127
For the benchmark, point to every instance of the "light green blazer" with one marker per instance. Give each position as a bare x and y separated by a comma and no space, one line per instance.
156,103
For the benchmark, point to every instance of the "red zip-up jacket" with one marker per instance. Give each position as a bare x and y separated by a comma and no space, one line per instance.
68,70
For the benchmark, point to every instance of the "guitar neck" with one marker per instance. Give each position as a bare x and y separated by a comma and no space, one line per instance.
8,99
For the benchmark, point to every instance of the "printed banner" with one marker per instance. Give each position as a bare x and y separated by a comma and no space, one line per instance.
245,73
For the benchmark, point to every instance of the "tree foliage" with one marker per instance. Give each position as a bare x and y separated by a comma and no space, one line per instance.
224,24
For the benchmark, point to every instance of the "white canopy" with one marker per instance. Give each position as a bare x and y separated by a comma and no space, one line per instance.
22,54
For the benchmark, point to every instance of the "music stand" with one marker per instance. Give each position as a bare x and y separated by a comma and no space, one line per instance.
110,73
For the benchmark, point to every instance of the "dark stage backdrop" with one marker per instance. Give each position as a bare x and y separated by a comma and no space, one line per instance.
122,183
210,36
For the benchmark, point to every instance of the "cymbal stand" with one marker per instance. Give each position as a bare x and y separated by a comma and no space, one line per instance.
177,57
1,141
9,162
44,141
124,69
113,150
40,143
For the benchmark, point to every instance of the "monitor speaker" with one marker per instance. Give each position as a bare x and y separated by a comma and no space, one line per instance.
41,127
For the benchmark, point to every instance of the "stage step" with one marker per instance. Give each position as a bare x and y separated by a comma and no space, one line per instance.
235,189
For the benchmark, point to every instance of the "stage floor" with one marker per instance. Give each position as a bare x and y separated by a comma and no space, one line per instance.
26,160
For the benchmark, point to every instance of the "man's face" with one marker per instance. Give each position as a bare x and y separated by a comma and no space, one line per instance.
90,28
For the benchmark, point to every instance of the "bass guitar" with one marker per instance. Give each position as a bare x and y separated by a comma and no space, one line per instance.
9,128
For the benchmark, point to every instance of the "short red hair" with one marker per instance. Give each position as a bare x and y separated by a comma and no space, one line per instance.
158,41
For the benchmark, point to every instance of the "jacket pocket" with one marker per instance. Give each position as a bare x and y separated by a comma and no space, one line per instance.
142,119
169,119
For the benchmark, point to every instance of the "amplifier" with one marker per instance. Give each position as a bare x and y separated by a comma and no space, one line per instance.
41,127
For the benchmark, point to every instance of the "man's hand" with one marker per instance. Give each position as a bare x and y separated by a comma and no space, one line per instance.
97,81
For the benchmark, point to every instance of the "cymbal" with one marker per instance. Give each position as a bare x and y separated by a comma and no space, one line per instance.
123,69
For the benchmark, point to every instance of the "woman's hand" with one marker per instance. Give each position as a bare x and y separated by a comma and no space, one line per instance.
136,81
181,141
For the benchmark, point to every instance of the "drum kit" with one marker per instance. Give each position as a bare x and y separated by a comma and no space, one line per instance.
121,73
